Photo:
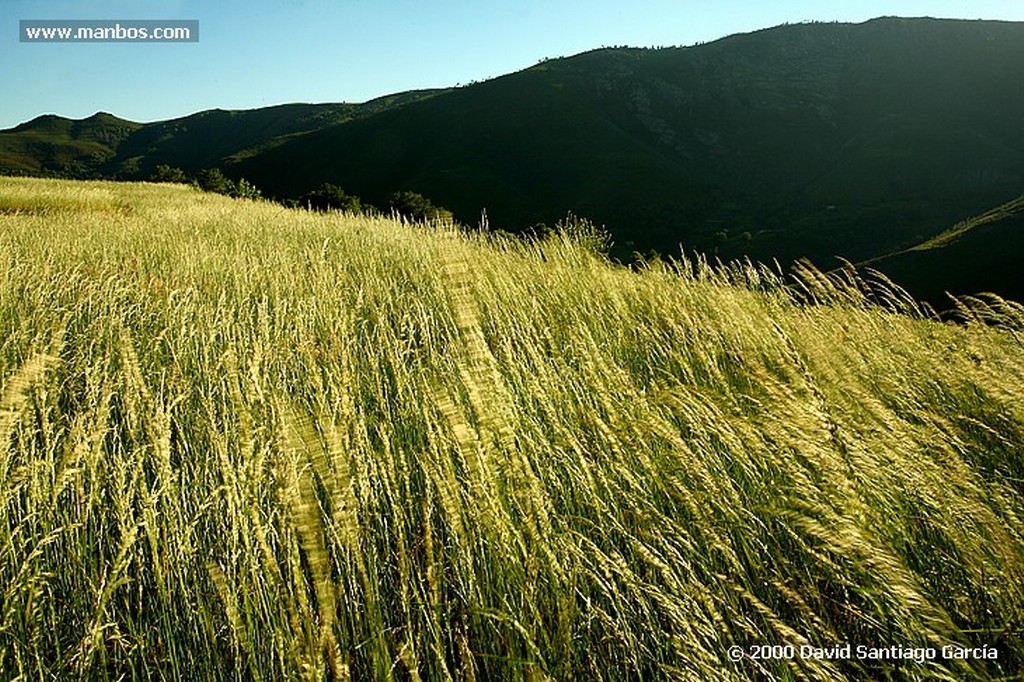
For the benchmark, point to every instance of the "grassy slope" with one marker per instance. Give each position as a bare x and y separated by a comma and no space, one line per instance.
978,255
246,442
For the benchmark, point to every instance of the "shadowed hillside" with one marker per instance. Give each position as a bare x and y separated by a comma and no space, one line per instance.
105,146
980,254
816,140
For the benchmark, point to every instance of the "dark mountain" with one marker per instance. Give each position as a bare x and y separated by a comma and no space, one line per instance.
219,138
810,140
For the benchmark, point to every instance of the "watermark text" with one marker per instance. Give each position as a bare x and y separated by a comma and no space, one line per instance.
850,652
108,31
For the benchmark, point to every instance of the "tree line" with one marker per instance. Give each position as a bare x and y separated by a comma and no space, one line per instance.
326,197
410,205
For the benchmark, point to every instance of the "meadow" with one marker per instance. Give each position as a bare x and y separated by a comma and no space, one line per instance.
243,442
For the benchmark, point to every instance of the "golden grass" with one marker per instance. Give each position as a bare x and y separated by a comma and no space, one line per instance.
245,442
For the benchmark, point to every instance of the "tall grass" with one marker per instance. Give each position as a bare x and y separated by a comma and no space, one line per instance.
247,443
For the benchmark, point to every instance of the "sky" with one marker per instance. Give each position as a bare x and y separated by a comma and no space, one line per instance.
255,53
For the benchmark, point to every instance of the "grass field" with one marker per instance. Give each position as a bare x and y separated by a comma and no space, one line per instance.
245,442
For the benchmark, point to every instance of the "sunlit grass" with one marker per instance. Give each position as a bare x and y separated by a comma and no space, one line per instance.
245,442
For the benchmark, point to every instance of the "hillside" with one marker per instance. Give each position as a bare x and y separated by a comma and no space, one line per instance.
812,140
239,441
104,146
979,254
817,140
51,143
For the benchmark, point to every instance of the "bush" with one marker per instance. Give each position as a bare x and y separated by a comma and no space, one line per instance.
581,231
243,189
214,180
415,206
328,197
165,173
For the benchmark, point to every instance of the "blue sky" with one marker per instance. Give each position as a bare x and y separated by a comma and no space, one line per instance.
255,53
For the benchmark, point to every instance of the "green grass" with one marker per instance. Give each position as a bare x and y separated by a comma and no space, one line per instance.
243,442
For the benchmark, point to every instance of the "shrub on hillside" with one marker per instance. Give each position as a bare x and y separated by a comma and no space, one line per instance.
214,180
328,197
578,230
243,189
165,173
415,206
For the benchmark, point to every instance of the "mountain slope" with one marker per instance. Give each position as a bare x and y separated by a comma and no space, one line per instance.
218,137
104,146
817,140
51,143
981,254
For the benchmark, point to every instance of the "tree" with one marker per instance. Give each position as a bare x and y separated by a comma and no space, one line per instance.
328,197
165,173
415,206
243,189
214,180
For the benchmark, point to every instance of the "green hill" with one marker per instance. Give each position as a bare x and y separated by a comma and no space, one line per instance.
218,138
104,146
52,144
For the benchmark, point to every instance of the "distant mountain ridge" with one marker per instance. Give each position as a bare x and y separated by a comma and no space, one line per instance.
114,147
807,140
